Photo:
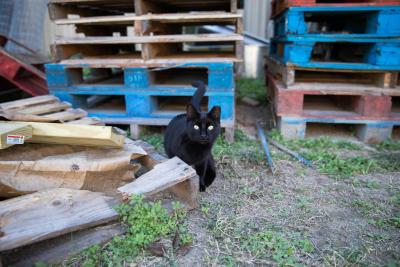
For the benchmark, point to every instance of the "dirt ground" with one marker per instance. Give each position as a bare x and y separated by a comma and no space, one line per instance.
299,216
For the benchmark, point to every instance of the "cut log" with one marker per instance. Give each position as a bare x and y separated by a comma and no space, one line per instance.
34,167
46,214
73,134
58,249
163,176
14,134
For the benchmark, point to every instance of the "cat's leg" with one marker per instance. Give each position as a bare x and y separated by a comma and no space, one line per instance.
210,172
201,171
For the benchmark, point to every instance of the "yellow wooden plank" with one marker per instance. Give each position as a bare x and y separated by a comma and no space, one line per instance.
72,134
9,133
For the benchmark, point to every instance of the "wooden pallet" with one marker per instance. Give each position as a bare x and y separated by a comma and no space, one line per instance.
46,108
159,27
340,79
278,6
338,53
339,22
24,76
349,102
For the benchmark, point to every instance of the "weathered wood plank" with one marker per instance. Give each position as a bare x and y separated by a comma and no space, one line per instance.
87,121
177,38
9,132
186,191
61,248
46,214
19,104
45,108
162,176
170,18
73,134
68,115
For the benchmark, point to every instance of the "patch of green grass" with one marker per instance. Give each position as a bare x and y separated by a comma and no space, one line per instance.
320,143
324,153
242,148
155,139
277,247
146,222
390,145
252,88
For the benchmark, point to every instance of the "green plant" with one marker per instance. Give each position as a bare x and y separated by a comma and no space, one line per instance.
242,148
251,88
390,145
156,140
276,246
146,222
326,156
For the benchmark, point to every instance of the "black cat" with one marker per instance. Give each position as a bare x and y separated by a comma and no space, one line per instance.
191,136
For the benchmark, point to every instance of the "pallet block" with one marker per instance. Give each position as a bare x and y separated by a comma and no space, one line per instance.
278,6
369,131
319,101
339,22
300,77
351,54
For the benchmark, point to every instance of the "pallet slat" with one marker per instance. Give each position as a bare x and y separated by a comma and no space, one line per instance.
170,18
21,104
153,39
38,216
68,115
46,108
164,175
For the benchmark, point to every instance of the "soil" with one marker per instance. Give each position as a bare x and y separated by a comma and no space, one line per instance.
339,218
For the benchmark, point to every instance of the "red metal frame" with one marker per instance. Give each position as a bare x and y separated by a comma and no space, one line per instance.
26,77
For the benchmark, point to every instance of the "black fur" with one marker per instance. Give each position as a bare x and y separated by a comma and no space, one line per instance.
192,143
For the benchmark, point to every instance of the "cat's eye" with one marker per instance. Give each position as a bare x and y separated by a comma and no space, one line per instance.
196,127
210,128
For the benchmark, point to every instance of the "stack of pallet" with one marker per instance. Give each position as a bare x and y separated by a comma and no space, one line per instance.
133,61
335,64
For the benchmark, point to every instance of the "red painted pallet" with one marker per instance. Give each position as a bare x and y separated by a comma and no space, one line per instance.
327,102
24,76
277,6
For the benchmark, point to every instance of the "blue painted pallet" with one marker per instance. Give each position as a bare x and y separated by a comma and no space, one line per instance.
366,130
144,104
219,76
371,55
344,22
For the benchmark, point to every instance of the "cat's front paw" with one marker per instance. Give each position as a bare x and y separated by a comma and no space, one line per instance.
202,188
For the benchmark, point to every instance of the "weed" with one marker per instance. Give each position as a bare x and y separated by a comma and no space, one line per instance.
252,88
390,145
146,222
323,152
156,140
278,247
242,148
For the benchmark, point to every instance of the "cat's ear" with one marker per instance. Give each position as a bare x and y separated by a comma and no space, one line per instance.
191,112
215,113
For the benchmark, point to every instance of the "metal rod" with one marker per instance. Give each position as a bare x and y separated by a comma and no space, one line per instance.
292,153
264,143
